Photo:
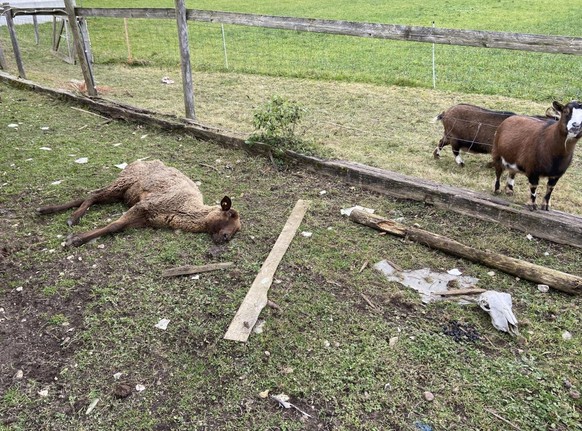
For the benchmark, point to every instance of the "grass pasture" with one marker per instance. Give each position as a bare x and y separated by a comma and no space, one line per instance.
352,350
72,319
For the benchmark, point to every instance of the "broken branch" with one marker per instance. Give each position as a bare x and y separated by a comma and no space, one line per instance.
528,271
190,269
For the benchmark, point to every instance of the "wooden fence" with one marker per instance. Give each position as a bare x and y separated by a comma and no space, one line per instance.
482,39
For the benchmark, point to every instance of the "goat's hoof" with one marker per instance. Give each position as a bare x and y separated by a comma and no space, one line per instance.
545,207
436,155
531,207
497,191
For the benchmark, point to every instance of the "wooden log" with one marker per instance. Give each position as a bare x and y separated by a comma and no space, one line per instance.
15,48
528,271
184,43
80,48
455,292
248,313
191,269
3,64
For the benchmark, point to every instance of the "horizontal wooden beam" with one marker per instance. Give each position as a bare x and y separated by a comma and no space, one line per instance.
481,39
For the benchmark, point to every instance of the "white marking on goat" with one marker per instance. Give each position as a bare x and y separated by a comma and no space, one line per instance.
510,166
459,160
510,181
574,126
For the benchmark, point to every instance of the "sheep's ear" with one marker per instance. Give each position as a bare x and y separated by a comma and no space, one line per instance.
557,106
225,203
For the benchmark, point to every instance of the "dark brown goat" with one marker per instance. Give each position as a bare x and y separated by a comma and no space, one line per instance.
158,196
537,148
471,128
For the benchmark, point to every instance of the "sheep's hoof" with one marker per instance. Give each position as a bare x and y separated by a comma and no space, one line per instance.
72,222
73,240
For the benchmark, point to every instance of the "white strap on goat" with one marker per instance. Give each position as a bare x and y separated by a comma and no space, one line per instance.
498,305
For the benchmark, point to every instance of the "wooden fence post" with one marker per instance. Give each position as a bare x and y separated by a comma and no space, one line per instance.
3,64
80,48
184,43
12,31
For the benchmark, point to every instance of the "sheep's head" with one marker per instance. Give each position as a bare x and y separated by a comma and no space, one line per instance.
225,223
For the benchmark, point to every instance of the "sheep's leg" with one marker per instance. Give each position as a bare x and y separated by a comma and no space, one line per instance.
437,151
549,189
50,209
533,185
134,217
510,184
103,196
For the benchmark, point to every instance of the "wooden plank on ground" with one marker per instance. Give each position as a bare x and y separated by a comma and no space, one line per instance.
526,270
193,269
256,298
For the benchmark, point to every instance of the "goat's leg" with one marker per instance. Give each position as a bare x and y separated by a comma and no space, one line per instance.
134,217
549,189
457,153
498,171
510,184
533,186
437,151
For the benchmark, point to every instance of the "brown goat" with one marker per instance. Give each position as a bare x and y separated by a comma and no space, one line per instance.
537,148
472,128
158,196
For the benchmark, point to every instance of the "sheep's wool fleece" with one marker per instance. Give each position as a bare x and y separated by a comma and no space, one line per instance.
169,197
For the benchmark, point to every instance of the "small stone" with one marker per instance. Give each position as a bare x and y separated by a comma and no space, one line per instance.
19,375
267,353
566,336
428,396
122,390
392,342
567,384
43,393
575,394
117,376
544,288
139,388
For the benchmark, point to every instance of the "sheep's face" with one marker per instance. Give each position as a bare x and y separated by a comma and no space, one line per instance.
225,223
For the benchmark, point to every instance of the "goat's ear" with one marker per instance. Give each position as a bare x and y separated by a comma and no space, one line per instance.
557,106
225,203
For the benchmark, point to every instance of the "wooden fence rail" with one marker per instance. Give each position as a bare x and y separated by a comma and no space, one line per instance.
482,39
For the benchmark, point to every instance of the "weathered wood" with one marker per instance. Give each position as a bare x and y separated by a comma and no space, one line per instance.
184,43
80,48
456,292
520,268
3,64
35,25
552,225
248,313
191,269
15,48
481,39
